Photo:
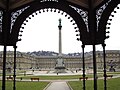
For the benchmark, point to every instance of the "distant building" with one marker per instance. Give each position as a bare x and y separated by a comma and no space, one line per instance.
25,61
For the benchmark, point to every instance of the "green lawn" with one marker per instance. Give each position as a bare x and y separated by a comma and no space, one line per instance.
53,77
25,85
112,84
60,77
57,77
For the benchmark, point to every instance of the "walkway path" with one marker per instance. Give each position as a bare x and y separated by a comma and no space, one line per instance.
58,86
62,85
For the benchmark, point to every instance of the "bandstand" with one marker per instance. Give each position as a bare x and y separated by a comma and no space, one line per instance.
90,16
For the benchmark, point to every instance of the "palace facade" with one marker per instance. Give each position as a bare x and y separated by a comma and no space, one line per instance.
26,61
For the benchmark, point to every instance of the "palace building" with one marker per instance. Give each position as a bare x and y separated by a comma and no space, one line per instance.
25,61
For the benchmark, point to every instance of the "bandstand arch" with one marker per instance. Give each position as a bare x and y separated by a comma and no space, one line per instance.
95,35
45,5
105,16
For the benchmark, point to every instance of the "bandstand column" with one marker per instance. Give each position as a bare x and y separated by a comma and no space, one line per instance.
6,30
4,68
83,57
94,67
14,76
104,59
92,24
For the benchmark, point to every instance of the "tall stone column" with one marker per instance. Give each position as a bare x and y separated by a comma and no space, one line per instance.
60,62
60,38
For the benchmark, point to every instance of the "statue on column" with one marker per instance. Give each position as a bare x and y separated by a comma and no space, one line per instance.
60,62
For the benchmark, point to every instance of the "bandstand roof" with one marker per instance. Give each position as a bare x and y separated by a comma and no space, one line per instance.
17,3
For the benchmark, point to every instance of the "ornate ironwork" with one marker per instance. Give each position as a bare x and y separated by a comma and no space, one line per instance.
1,17
83,14
99,12
14,15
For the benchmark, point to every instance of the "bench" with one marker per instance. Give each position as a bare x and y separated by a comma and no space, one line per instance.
9,78
32,79
83,78
107,76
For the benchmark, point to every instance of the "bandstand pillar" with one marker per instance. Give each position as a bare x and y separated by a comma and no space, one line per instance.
94,67
92,24
6,30
83,57
104,59
14,76
4,68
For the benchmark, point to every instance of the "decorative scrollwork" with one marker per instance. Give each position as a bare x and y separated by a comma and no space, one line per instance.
84,15
1,17
14,15
100,11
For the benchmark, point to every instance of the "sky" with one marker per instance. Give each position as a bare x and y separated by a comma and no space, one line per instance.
41,33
